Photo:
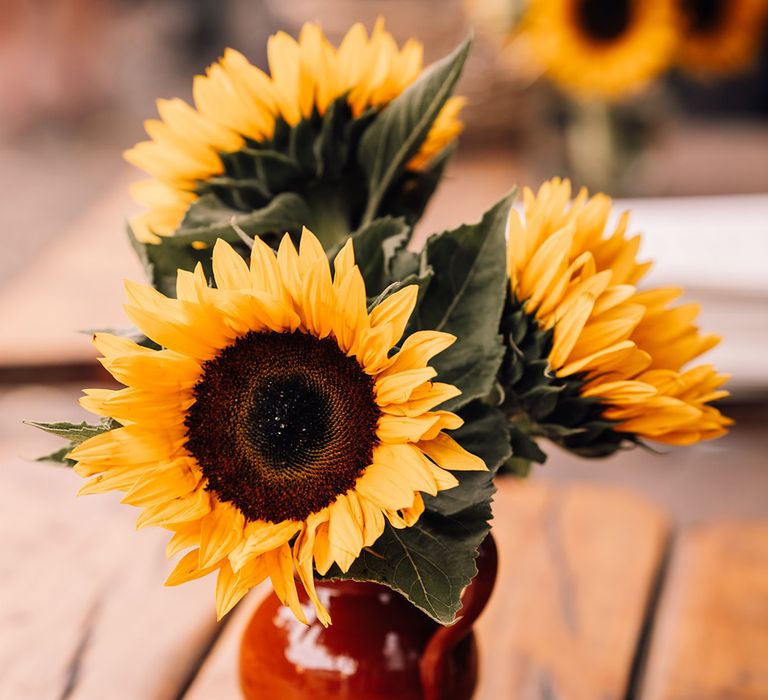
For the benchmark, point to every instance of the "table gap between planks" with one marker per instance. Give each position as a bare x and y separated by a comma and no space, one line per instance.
85,615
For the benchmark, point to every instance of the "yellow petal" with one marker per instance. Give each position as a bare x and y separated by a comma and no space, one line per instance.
444,450
279,563
398,388
398,429
221,532
344,533
265,272
185,535
418,349
187,569
344,262
229,268
261,537
384,488
395,311
303,551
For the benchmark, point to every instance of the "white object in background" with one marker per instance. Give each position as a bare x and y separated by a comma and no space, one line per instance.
717,248
717,243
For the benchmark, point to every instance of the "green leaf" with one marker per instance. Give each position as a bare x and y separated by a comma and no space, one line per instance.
401,127
249,185
374,244
518,466
431,562
74,433
466,297
403,262
421,281
161,261
411,193
485,434
301,147
208,218
58,457
541,400
331,148
524,446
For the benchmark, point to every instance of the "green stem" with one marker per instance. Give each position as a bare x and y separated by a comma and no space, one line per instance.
590,145
370,209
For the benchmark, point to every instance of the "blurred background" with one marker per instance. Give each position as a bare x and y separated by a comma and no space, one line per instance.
674,117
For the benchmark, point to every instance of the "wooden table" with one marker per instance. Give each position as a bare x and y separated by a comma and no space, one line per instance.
597,599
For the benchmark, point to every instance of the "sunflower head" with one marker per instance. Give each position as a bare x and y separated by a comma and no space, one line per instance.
595,362
252,136
721,36
603,48
282,426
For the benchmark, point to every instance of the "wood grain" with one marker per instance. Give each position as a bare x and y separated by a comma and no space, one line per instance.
577,568
218,675
710,640
75,283
83,610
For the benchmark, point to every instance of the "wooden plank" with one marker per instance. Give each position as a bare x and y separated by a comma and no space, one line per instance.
82,606
577,567
217,677
710,640
76,283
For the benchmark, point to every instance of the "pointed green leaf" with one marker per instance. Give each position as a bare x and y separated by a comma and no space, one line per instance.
208,218
401,127
421,281
58,457
431,562
331,147
486,435
466,297
75,432
411,193
373,245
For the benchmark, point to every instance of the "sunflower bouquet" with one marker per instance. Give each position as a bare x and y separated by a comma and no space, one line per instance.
306,396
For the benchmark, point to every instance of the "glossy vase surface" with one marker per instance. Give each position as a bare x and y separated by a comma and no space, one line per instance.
379,646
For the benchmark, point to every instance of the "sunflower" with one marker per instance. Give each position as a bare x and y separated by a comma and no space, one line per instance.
721,36
245,119
615,358
603,48
275,433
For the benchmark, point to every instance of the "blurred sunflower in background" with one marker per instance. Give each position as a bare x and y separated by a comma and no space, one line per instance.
595,362
604,49
275,433
252,135
721,36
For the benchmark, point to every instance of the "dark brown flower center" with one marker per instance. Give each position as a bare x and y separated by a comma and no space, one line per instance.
704,16
282,424
604,20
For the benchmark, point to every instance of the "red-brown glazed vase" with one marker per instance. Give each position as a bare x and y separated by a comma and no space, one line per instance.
378,647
